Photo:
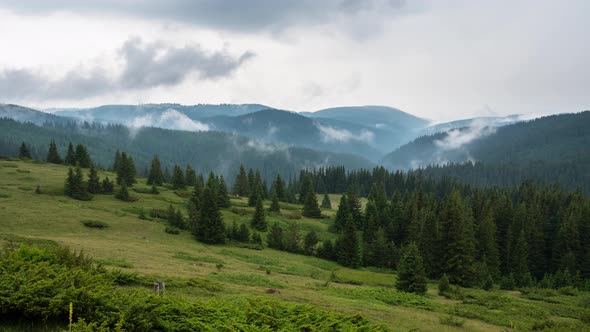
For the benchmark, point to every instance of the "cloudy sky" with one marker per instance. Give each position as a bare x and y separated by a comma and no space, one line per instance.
439,59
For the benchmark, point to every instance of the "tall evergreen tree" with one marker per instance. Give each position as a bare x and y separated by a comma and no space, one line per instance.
210,227
274,204
326,204
107,186
306,188
126,170
411,276
487,244
457,241
70,156
310,242
275,237
75,186
52,154
310,206
259,218
223,197
116,161
123,193
348,247
82,156
190,176
279,187
24,152
342,214
155,175
241,186
292,237
355,206
178,178
94,186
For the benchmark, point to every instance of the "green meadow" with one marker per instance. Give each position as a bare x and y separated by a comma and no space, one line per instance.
232,272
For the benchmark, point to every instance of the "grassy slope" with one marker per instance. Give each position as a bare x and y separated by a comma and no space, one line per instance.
189,267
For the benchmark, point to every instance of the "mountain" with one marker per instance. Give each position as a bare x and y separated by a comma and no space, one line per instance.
555,138
479,121
205,151
25,114
151,114
293,129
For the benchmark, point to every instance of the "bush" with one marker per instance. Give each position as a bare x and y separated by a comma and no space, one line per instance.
452,319
159,213
444,286
568,290
94,224
172,230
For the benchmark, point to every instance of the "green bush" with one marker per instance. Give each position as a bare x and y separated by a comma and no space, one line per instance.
94,224
172,230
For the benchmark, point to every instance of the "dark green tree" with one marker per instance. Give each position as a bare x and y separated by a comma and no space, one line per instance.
116,160
155,175
310,206
306,188
411,276
275,238
94,186
341,214
52,154
107,186
223,197
82,156
326,204
348,247
178,178
310,242
241,186
243,233
274,203
24,152
190,176
70,156
259,218
292,237
123,193
210,227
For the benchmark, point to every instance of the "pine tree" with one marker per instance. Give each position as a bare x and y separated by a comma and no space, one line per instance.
306,188
223,197
155,175
69,186
94,186
348,246
488,246
259,219
197,195
326,204
444,284
341,214
310,206
52,154
519,261
411,276
355,206
178,178
256,238
292,237
274,205
457,241
244,233
123,193
326,251
70,156
279,187
82,156
210,227
190,176
241,186
275,238
107,186
24,152
310,242
75,186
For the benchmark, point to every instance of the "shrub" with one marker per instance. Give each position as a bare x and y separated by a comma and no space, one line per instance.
444,285
568,290
94,224
172,230
159,213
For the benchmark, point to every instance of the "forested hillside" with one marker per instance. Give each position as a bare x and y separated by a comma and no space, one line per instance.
204,151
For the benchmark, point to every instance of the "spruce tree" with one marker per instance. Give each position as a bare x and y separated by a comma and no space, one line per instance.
107,186
126,170
190,176
94,186
275,237
310,206
292,237
457,241
259,219
488,246
222,195
348,247
155,175
24,152
241,186
306,188
274,204
123,193
154,190
355,206
210,225
178,178
341,214
243,233
75,186
70,156
310,242
326,204
519,261
116,162
82,156
411,276
69,186
52,154
279,187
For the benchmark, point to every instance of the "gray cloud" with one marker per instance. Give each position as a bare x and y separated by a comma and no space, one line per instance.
237,15
146,65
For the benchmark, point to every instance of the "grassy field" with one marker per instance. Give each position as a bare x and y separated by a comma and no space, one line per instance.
192,269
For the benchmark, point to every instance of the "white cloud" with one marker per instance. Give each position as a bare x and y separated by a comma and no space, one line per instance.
331,134
457,138
169,119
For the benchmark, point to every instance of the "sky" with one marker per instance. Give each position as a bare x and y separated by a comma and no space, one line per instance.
439,59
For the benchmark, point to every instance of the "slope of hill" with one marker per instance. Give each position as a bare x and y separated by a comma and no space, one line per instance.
232,274
296,130
25,114
554,138
473,122
204,151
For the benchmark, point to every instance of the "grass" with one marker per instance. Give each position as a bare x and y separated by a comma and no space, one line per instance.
190,269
